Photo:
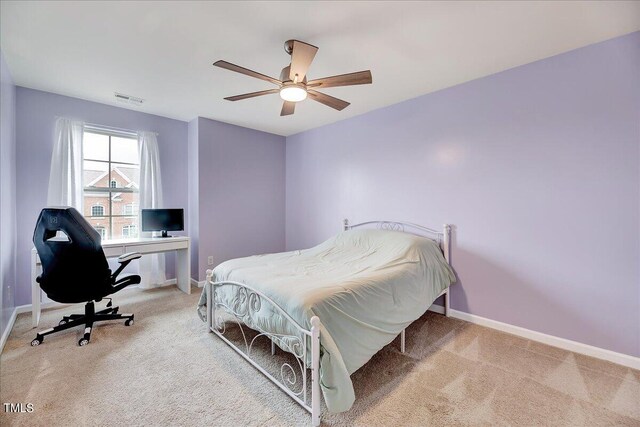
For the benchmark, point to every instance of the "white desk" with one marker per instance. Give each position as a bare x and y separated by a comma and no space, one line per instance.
115,248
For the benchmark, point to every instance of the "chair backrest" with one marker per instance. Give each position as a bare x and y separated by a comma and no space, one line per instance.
74,267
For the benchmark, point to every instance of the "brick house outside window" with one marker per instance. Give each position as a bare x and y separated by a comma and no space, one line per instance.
110,173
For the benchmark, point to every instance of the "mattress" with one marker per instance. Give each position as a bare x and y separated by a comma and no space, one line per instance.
366,286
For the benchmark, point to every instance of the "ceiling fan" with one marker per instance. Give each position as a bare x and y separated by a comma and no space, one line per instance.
293,85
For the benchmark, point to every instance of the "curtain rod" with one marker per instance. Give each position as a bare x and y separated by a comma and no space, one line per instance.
105,127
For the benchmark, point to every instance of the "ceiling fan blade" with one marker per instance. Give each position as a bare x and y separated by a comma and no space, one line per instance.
287,108
359,78
302,55
238,69
327,100
252,95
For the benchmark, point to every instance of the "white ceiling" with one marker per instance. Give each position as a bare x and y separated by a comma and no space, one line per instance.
163,51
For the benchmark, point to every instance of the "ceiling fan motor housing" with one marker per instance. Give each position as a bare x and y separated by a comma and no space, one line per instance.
288,46
284,75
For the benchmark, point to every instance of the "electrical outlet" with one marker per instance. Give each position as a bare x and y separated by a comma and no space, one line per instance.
210,260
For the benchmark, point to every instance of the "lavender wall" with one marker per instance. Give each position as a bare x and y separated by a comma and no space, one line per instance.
537,167
36,113
241,191
7,194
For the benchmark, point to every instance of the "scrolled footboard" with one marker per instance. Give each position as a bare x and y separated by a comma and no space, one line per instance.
241,304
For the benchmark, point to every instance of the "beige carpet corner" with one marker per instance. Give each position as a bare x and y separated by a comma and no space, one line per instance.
166,370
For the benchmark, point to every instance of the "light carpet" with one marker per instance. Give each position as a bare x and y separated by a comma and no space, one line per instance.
166,370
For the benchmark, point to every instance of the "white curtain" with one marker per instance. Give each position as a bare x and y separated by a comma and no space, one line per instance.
65,178
151,265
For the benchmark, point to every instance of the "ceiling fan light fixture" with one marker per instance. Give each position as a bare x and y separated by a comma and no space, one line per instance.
293,92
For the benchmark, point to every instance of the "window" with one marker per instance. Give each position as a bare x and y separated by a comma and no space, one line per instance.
110,174
130,209
130,231
102,231
97,210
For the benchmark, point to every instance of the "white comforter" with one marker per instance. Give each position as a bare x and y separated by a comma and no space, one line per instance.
366,286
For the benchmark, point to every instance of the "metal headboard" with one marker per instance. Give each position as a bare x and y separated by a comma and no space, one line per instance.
443,238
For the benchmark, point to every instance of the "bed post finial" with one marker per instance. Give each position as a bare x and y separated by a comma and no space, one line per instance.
345,224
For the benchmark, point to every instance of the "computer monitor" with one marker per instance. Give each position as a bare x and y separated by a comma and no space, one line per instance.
162,220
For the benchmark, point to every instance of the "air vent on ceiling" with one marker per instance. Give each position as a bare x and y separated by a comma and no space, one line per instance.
128,99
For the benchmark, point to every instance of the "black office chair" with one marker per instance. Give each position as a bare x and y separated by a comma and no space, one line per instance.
75,269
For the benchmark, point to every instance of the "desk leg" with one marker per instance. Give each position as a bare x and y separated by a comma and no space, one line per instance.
35,293
183,270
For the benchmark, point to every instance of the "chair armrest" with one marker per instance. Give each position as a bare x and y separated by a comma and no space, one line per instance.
124,282
124,260
129,257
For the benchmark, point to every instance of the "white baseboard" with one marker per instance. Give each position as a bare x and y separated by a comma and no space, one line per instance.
51,304
26,308
199,284
565,344
8,328
436,308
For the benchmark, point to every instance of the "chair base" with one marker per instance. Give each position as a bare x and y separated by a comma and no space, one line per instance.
87,319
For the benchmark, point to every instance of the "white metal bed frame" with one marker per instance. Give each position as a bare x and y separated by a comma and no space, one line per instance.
247,300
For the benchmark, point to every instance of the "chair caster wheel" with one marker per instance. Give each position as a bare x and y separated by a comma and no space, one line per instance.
62,322
83,342
128,322
36,342
115,310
